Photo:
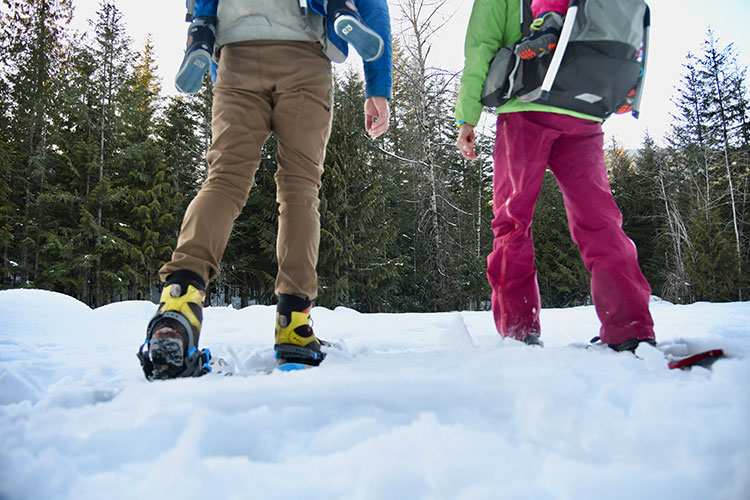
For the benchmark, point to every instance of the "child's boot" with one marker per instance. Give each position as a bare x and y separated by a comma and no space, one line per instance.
545,31
350,27
295,340
197,60
627,105
171,347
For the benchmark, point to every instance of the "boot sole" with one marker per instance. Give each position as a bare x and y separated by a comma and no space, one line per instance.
363,39
189,78
167,356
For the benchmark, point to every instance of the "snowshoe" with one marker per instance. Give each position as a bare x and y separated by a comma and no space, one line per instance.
678,354
704,359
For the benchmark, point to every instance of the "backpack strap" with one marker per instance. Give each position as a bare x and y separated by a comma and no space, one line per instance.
562,44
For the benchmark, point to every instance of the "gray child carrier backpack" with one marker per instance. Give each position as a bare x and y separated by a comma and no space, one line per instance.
598,64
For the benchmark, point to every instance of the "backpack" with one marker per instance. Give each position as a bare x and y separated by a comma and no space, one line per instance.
599,62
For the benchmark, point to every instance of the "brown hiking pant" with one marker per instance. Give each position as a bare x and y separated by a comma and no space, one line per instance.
263,87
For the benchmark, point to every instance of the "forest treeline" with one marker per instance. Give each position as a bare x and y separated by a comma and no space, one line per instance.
97,168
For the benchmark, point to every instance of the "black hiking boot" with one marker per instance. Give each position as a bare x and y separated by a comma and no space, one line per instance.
533,339
629,345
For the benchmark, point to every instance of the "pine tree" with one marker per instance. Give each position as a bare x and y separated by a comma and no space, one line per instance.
112,57
424,143
78,138
249,265
563,279
33,33
644,215
725,113
706,144
148,221
357,264
184,134
470,230
8,203
711,262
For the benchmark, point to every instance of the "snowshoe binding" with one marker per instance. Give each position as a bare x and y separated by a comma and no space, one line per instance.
629,345
534,339
171,346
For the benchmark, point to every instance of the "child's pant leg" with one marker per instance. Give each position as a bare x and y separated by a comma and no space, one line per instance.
539,7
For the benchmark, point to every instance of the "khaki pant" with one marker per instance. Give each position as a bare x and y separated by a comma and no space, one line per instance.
263,87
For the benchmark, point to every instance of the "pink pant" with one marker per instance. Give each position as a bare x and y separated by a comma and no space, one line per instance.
526,144
542,6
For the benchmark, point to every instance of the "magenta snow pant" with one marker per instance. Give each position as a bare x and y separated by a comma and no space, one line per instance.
541,6
525,145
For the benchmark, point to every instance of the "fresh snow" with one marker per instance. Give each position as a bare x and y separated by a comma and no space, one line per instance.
417,406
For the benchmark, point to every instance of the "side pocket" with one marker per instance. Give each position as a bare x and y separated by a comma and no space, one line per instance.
497,84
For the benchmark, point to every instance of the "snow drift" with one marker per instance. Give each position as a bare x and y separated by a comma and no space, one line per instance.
417,406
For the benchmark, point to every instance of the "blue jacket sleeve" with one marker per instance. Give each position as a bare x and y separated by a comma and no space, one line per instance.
205,8
378,73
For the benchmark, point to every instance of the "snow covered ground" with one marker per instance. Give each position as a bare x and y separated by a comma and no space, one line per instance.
421,406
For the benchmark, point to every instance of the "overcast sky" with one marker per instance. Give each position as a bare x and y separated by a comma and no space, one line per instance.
678,26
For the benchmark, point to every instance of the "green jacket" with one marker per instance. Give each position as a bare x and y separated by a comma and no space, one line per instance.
493,24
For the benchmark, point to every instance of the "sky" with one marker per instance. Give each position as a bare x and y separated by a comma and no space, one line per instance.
678,26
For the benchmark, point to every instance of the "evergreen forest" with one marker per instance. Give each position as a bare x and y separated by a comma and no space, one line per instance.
97,168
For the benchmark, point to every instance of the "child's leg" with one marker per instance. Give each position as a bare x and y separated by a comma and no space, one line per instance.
539,7
197,60
349,26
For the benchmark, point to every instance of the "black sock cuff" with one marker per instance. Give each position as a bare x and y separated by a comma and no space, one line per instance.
338,5
185,278
288,303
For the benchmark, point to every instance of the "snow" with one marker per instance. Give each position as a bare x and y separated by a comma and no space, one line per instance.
417,406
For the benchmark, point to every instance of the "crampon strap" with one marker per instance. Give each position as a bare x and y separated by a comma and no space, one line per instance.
298,354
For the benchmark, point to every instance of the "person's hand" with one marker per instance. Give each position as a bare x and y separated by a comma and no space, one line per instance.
376,116
465,142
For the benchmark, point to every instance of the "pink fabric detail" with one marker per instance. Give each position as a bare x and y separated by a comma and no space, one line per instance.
526,144
539,7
